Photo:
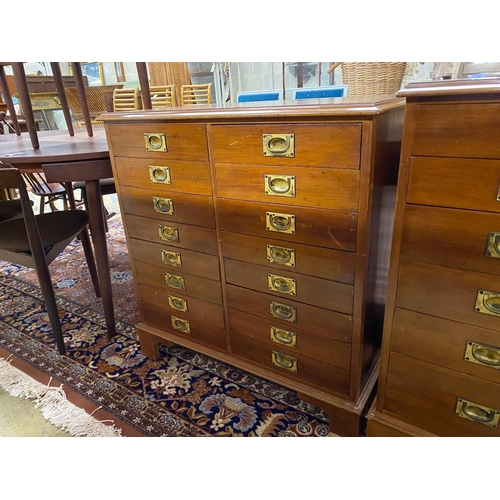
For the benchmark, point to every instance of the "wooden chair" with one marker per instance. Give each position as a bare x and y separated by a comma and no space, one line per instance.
47,192
162,96
125,99
35,241
95,101
10,209
196,94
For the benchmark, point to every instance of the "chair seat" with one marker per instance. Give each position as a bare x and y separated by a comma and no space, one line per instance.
9,209
54,227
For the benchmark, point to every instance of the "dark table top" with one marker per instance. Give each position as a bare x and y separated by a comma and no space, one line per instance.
55,146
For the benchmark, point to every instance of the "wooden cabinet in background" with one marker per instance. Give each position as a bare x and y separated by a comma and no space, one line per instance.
440,364
260,236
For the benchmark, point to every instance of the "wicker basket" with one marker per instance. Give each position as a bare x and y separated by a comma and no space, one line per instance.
372,78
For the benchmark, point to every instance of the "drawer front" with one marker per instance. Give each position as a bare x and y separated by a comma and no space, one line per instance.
456,183
188,284
200,239
464,130
310,371
446,343
291,340
164,175
316,145
331,229
175,260
463,239
175,207
310,290
428,396
176,141
291,314
308,187
447,293
184,326
172,302
305,259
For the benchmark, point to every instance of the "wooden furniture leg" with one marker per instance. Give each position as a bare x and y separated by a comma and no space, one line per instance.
24,97
99,238
142,72
77,72
56,71
8,100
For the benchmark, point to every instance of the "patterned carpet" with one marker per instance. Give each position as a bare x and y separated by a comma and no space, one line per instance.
183,394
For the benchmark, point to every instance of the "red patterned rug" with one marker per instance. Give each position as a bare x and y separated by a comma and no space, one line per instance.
183,394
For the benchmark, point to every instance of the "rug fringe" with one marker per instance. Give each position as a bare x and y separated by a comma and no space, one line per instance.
53,404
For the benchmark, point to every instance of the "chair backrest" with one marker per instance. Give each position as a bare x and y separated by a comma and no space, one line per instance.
95,100
162,96
320,92
260,95
40,186
196,94
125,99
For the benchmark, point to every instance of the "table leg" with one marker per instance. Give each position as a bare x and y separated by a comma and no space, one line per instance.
98,232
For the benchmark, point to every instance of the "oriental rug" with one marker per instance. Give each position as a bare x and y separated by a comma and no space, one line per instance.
182,394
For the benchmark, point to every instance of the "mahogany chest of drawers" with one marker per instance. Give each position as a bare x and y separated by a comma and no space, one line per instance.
259,235
440,367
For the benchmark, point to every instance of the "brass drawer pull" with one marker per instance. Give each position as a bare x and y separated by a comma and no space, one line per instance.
282,284
278,145
178,303
159,175
279,185
281,255
283,223
477,413
171,258
175,281
498,194
482,354
283,311
181,324
155,142
488,302
168,233
283,337
284,361
163,205
493,246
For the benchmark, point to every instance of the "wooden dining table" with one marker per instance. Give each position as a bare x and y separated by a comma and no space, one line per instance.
89,161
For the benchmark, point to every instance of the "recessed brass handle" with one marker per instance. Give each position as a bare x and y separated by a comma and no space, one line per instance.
498,194
155,142
282,284
283,311
283,361
279,185
488,302
482,354
168,233
163,205
283,223
278,145
171,258
181,324
159,175
178,303
281,255
477,413
493,246
175,281
283,337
